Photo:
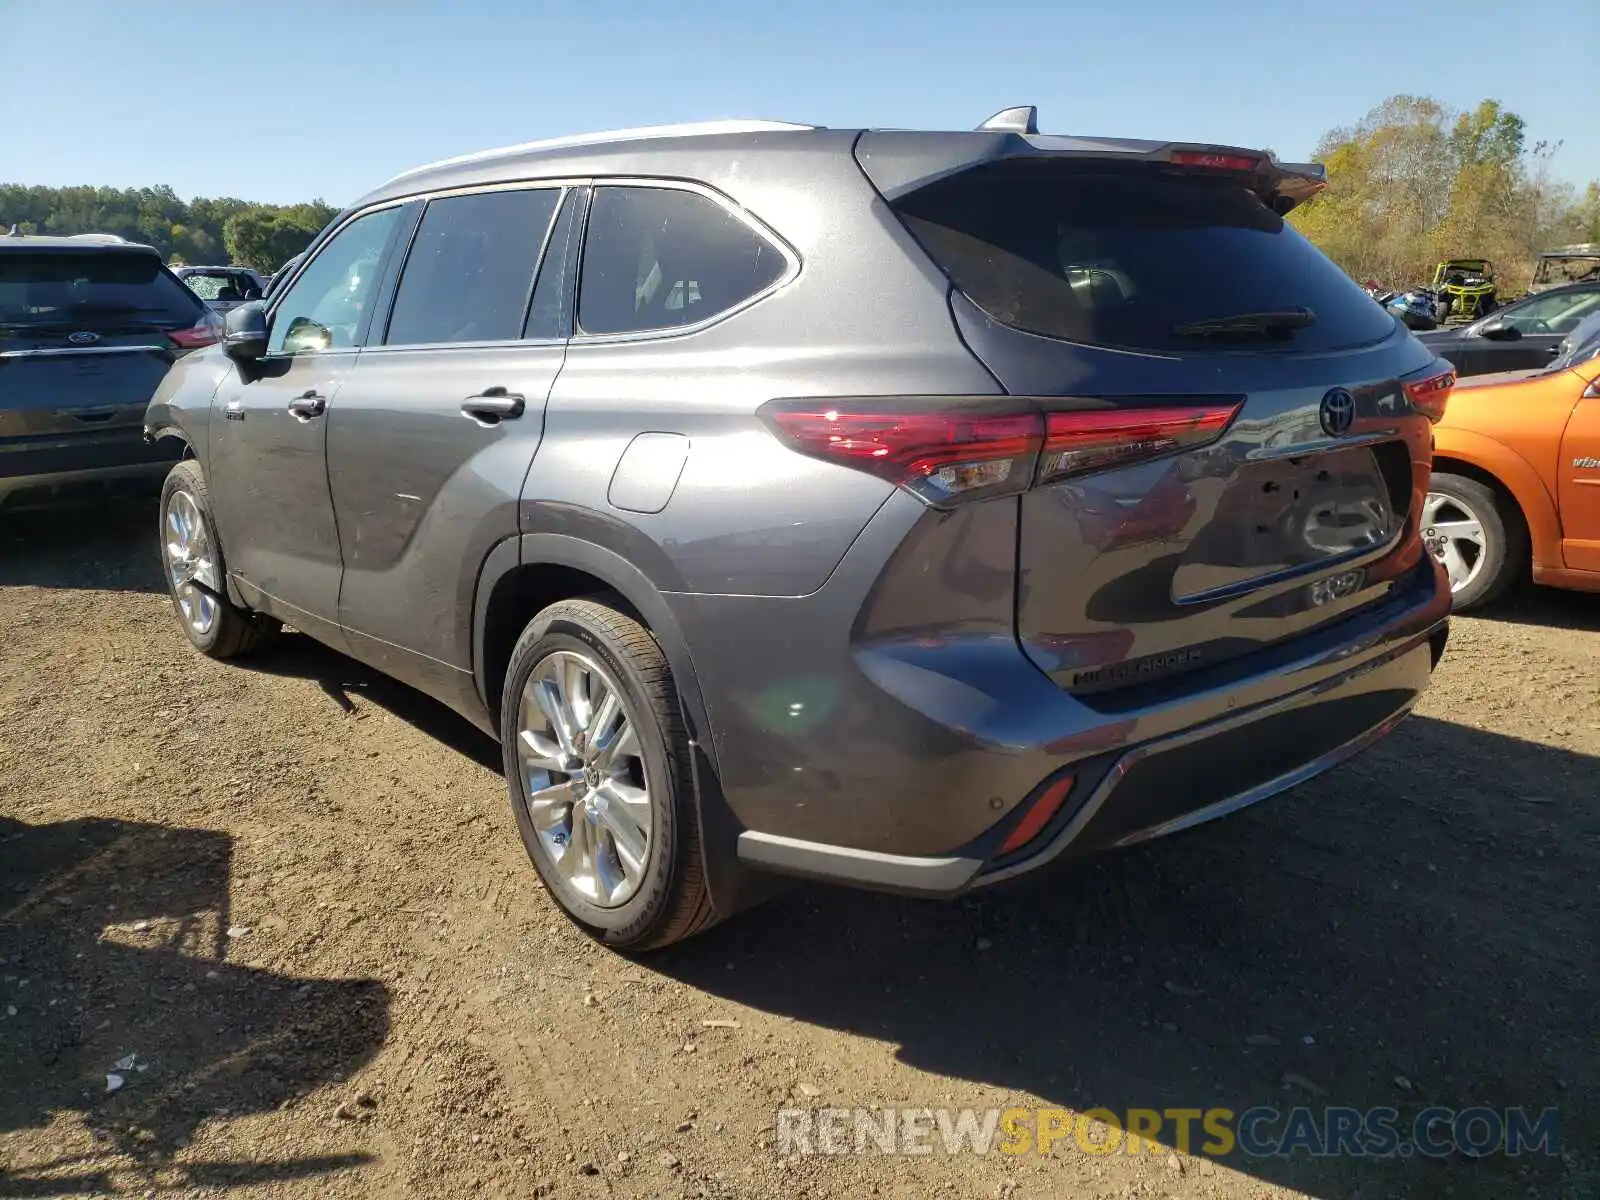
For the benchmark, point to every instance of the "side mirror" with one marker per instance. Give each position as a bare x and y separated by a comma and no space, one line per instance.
1498,331
244,331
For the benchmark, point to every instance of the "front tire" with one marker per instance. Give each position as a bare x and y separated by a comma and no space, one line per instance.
597,765
191,557
1480,539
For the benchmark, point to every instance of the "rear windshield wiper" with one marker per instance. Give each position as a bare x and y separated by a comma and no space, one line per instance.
1276,321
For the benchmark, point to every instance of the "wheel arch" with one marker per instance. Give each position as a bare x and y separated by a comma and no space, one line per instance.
526,573
1508,474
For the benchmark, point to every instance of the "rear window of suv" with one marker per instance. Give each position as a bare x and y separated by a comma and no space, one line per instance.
47,287
1125,257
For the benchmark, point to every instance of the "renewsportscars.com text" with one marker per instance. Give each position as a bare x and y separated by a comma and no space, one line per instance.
1258,1132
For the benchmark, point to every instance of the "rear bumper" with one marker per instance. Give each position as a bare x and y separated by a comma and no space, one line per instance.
47,463
1164,785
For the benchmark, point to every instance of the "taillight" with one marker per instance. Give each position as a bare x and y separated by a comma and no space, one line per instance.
1431,394
1217,162
1087,440
951,449
207,331
943,451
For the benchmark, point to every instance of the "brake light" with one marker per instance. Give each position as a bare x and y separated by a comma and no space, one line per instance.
1216,162
944,451
1094,439
1429,396
207,331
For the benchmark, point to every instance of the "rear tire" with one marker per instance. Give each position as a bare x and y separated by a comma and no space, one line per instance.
604,803
1484,566
196,574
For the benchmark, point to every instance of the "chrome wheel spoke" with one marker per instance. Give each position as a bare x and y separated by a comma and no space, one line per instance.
549,807
1466,530
539,753
603,721
1456,565
625,746
1431,507
547,694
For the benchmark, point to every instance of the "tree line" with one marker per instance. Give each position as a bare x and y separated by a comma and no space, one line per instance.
1414,183
204,230
1409,185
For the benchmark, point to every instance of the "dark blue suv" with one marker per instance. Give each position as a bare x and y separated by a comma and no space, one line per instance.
88,327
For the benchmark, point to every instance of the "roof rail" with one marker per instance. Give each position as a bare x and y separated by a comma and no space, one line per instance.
1022,119
692,129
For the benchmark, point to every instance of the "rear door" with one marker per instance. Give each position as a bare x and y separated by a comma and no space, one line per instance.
86,335
1232,457
433,432
268,430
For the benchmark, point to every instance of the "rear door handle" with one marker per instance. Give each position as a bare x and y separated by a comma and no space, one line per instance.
493,405
309,405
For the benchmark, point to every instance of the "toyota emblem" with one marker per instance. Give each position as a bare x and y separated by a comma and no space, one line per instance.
84,337
1338,412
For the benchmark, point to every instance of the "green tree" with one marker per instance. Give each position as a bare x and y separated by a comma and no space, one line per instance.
264,239
184,232
1413,183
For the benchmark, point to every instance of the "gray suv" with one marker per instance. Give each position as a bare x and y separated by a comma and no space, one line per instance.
906,510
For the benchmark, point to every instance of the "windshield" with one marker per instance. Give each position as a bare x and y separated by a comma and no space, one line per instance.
221,285
1567,270
83,288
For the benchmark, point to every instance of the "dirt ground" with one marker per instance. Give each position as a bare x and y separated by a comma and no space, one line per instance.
267,930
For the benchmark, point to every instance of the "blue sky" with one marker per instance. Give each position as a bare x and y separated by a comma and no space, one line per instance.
283,100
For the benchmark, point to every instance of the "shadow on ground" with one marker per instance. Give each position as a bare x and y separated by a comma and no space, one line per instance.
1547,607
120,1004
342,679
1415,929
99,542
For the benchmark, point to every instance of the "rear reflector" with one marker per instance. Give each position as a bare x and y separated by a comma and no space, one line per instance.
1217,162
1430,394
952,449
1036,818
1093,440
942,451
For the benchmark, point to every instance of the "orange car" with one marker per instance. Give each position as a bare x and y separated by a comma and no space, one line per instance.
1516,479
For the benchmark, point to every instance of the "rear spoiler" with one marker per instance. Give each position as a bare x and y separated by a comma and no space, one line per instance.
901,163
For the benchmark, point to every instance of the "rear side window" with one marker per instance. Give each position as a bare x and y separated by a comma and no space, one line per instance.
659,258
469,275
1127,257
66,287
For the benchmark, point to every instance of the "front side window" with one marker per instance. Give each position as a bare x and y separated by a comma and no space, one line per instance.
1552,314
659,258
324,307
470,272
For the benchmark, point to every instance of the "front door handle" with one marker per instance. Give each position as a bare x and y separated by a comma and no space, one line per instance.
309,405
493,405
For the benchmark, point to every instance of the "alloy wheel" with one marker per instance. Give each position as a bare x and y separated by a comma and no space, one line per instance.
190,562
587,795
1454,535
